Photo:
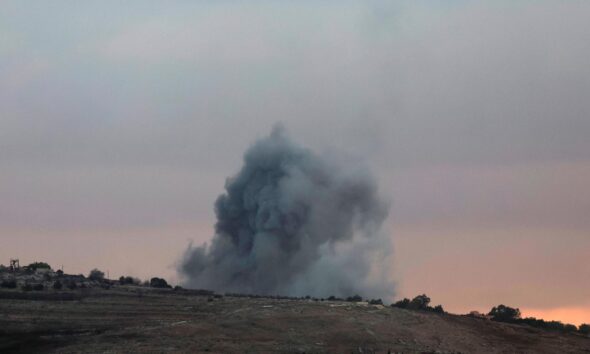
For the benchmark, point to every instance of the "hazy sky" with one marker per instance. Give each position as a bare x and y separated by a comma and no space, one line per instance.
119,122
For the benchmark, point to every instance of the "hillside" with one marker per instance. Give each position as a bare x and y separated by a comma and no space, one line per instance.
136,319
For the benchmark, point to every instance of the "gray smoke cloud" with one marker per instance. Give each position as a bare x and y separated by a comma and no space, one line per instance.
294,223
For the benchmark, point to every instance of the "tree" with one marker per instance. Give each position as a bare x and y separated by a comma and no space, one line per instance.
159,283
96,275
504,313
38,265
402,304
420,302
129,280
567,327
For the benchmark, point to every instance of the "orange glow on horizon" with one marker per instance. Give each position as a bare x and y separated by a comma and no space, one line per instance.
573,315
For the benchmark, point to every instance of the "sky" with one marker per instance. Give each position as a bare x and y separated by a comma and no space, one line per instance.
120,121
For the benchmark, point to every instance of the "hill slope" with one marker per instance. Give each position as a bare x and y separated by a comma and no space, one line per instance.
139,320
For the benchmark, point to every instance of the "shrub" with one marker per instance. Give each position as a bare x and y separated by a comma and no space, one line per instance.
59,273
129,280
438,309
334,298
38,287
27,287
402,304
38,265
159,283
504,313
9,284
584,328
57,285
96,275
569,328
376,302
420,302
355,298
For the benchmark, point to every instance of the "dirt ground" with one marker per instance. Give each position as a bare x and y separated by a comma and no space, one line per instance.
136,320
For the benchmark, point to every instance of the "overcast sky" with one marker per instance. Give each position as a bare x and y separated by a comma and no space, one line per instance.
119,122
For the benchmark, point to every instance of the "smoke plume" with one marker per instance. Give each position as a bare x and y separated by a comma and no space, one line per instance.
294,223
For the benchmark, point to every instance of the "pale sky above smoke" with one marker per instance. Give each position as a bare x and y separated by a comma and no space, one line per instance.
119,120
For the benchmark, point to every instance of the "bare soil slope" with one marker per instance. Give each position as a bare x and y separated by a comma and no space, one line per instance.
138,320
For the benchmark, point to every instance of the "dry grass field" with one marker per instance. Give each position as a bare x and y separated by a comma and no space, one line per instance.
128,320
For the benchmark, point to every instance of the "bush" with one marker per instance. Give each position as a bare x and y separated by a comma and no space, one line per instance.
420,302
96,275
8,284
438,309
60,273
129,280
376,302
569,328
38,287
355,298
584,328
27,287
57,285
504,313
38,265
334,298
159,283
402,304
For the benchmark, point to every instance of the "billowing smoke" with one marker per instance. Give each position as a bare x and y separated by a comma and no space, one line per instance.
294,223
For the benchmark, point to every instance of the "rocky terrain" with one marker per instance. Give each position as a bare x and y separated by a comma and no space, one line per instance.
142,319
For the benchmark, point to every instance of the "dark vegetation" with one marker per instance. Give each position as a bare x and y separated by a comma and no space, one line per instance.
38,265
129,281
159,283
354,298
420,302
96,275
503,313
